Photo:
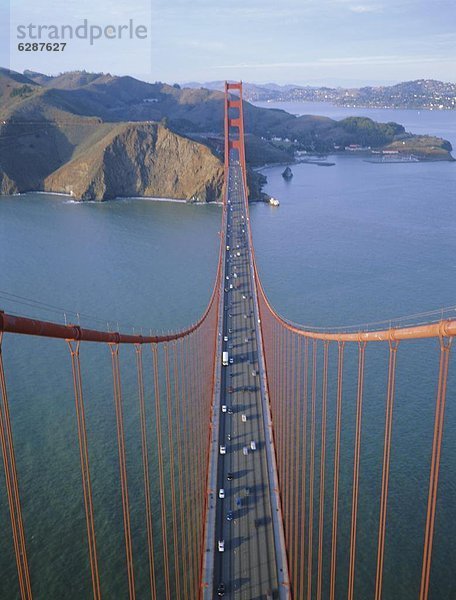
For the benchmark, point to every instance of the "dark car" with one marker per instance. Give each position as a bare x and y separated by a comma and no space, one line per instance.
229,516
221,589
229,476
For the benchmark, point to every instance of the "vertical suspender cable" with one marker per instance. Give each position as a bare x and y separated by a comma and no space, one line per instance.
322,468
12,487
285,487
445,347
298,464
186,455
177,591
196,468
178,399
158,425
122,466
292,443
85,469
145,461
354,516
386,466
302,550
335,511
312,469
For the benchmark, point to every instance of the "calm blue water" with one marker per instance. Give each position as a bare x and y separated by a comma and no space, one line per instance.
351,243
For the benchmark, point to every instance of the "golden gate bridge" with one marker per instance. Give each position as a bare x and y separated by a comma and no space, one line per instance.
237,415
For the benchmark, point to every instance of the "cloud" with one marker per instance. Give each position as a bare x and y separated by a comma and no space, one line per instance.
203,45
365,8
345,61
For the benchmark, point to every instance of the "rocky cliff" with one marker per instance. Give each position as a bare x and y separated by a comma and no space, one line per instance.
141,159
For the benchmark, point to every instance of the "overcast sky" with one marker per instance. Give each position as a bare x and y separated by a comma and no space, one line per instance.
346,42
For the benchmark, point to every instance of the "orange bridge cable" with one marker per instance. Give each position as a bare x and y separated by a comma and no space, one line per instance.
194,466
281,405
312,470
211,375
146,476
322,468
285,479
158,425
291,420
445,347
172,473
201,378
85,469
446,327
386,467
292,446
357,452
298,465
335,510
194,463
178,399
186,469
275,407
114,348
305,400
10,495
273,383
277,403
12,487
196,448
290,453
199,428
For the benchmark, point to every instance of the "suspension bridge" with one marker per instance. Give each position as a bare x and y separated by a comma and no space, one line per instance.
251,450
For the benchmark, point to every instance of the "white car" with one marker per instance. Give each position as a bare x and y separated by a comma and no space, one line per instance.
244,418
225,338
231,361
221,546
245,450
221,493
222,449
252,445
223,408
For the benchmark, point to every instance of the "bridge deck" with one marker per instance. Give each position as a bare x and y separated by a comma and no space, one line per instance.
249,566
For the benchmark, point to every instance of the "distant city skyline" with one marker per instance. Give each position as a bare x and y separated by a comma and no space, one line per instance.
303,42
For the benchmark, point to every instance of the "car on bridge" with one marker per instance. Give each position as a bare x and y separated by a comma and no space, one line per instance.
221,493
221,589
252,445
222,449
221,546
224,408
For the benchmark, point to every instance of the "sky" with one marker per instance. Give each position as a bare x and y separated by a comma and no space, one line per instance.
316,42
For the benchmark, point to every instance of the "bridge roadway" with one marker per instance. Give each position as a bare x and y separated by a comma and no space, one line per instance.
249,566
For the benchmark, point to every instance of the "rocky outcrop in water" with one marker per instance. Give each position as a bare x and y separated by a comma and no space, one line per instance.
287,174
